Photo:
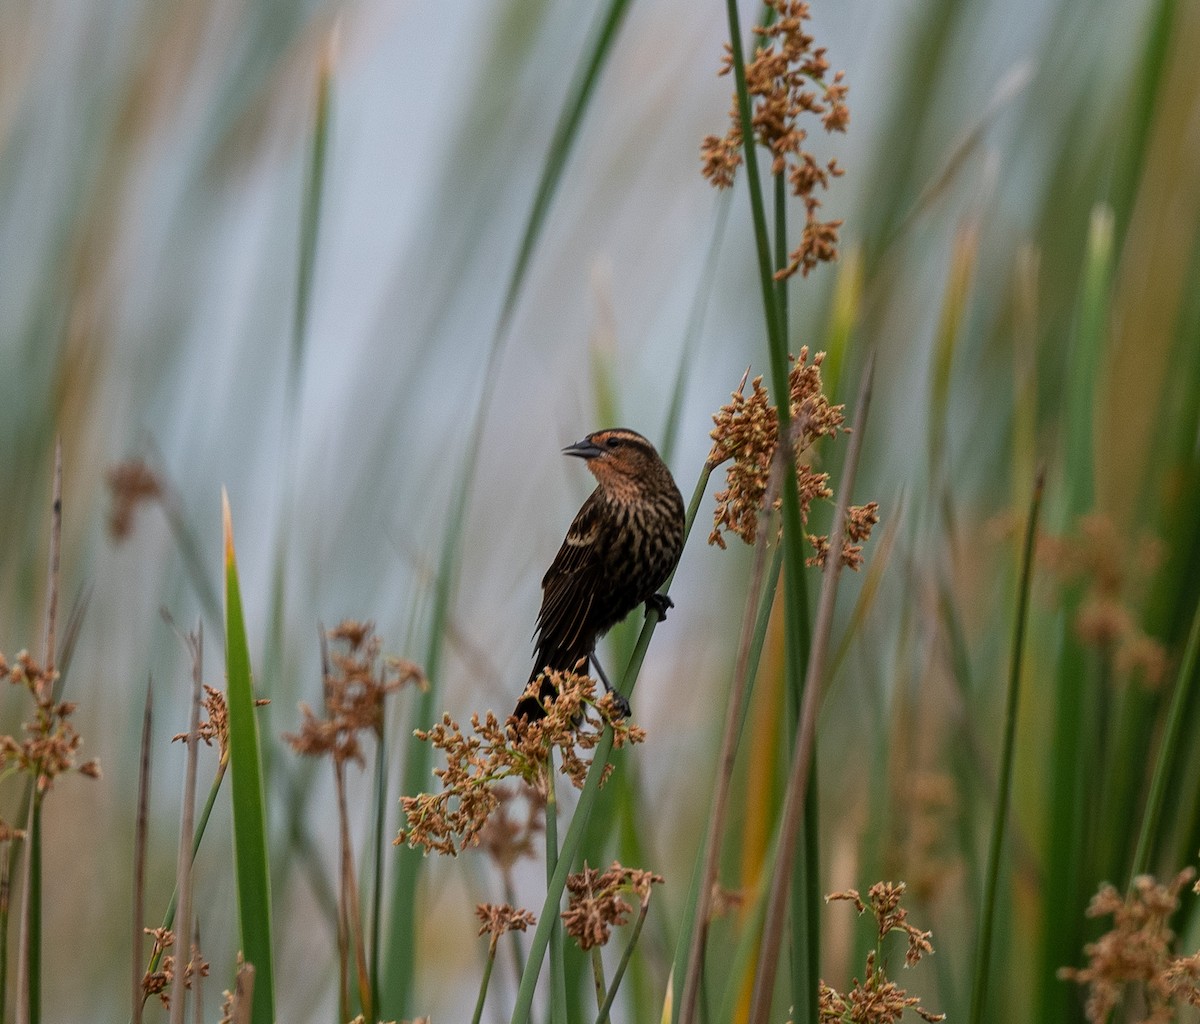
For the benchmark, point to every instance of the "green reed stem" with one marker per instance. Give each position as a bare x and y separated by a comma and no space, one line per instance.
588,795
598,977
558,969
1167,751
483,984
983,950
619,974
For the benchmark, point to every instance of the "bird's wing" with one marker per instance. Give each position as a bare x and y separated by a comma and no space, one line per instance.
571,584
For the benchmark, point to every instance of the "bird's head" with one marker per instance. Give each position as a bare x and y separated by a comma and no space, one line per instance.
622,461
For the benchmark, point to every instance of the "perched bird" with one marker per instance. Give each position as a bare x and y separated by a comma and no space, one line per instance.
624,543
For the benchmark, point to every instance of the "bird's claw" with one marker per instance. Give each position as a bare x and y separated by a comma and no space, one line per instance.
621,704
660,603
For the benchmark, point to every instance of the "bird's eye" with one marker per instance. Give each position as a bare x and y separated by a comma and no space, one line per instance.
612,442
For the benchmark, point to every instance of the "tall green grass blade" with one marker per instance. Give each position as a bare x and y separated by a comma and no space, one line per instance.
31,999
608,25
794,820
1072,772
252,873
1168,751
987,912
796,598
310,210
558,977
401,945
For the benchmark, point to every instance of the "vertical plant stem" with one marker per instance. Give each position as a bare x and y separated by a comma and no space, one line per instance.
139,855
558,970
1167,751
598,977
754,624
483,983
619,974
187,827
5,902
797,790
349,896
201,825
983,949
379,846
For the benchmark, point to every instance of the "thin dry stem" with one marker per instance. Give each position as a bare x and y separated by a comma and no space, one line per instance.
793,813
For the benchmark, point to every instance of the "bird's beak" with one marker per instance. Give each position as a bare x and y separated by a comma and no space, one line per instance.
584,449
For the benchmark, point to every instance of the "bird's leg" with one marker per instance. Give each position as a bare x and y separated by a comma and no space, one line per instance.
660,603
619,700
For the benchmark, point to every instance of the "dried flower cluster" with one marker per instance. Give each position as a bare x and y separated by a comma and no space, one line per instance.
158,983
216,725
498,919
860,520
132,483
1138,951
877,999
787,81
453,819
1110,565
746,433
51,742
595,905
355,684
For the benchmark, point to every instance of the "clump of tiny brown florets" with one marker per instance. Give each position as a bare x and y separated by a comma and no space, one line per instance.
454,818
595,904
216,725
746,435
132,484
860,520
876,999
499,919
1110,565
1138,950
158,982
355,685
787,81
51,742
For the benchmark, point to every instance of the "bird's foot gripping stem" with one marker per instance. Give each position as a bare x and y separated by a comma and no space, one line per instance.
620,701
660,603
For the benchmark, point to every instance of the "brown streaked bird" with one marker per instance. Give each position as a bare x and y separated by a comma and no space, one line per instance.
624,543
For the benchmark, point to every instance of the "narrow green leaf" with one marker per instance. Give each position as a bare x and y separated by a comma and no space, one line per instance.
987,915
252,873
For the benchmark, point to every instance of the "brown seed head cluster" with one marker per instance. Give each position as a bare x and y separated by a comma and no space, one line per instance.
1110,566
216,725
158,983
860,520
787,82
1138,951
50,743
132,484
453,819
877,999
355,685
595,904
745,435
500,919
